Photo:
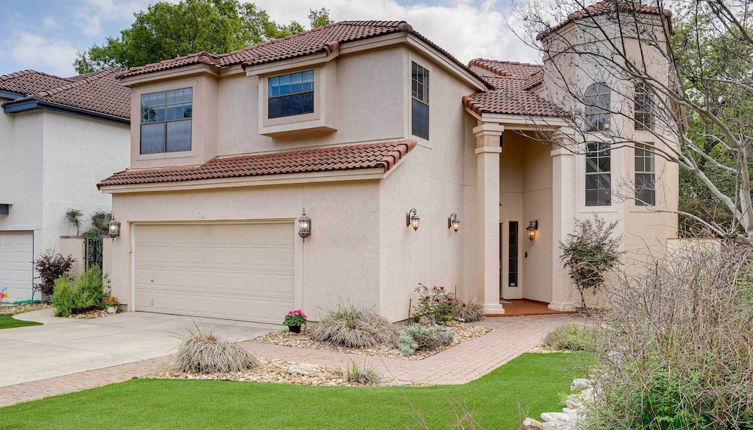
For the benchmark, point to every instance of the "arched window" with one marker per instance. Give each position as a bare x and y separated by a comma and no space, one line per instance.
644,107
598,102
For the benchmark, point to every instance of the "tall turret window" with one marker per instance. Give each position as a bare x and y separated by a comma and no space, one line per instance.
644,107
598,101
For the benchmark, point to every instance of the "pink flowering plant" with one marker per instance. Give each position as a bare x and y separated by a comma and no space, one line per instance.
437,305
295,318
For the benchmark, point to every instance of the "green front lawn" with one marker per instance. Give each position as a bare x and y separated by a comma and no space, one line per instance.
7,321
532,383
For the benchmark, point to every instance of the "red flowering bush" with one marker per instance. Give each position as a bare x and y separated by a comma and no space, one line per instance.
111,301
436,304
295,318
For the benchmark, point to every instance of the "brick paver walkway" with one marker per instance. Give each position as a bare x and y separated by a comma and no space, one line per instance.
458,365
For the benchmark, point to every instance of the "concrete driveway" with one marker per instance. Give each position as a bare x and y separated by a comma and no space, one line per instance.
63,346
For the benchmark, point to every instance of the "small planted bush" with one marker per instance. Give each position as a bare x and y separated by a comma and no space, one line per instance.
361,375
470,312
417,337
203,352
351,327
85,293
436,304
50,267
572,337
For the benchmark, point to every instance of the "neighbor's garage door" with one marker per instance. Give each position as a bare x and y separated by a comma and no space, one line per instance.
16,271
231,271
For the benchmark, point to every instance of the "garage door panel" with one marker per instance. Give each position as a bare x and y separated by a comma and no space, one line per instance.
235,271
16,271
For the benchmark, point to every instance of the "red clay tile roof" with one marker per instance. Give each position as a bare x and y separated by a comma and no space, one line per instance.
512,95
611,6
350,157
97,92
322,39
30,81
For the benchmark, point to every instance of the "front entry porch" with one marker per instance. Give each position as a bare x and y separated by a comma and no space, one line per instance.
525,207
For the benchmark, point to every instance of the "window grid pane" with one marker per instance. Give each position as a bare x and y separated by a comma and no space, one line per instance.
420,101
643,108
291,94
598,175
645,188
159,112
598,102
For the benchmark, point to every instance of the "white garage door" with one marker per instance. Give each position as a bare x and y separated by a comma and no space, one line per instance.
16,270
230,271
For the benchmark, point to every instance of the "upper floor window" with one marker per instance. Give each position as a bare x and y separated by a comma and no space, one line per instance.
166,121
419,101
644,107
645,189
598,175
291,94
598,101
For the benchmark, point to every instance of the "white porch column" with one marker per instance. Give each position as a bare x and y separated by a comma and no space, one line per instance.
565,196
488,152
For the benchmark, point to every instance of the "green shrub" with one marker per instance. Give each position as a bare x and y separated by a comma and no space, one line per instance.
436,304
63,298
366,375
572,337
203,352
85,293
417,337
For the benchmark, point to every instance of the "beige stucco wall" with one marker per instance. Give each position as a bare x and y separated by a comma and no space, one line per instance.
339,262
365,102
434,179
644,230
75,247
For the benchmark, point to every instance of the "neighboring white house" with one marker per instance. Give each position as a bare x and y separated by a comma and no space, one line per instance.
58,138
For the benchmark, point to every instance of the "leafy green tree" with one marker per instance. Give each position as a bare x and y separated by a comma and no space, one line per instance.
168,30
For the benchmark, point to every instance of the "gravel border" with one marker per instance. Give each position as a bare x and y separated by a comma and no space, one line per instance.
280,372
463,332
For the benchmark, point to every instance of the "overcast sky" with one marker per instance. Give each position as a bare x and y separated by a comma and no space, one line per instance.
45,34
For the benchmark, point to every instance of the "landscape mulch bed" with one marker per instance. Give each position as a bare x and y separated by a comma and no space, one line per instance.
19,309
279,372
463,332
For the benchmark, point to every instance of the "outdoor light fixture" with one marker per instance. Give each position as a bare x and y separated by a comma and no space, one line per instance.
113,228
453,222
412,219
304,225
533,226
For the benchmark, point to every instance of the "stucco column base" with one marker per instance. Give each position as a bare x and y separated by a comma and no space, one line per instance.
561,306
493,309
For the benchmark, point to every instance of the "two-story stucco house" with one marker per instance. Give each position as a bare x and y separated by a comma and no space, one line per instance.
58,138
347,164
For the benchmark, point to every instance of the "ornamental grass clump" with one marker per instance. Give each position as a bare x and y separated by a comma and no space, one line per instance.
470,312
203,352
351,327
677,344
572,337
418,337
361,375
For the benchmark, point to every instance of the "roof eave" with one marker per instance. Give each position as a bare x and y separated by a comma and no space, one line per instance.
375,173
34,104
12,95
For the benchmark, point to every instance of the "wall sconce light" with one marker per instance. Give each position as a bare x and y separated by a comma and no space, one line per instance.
533,227
304,225
113,228
453,222
412,219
